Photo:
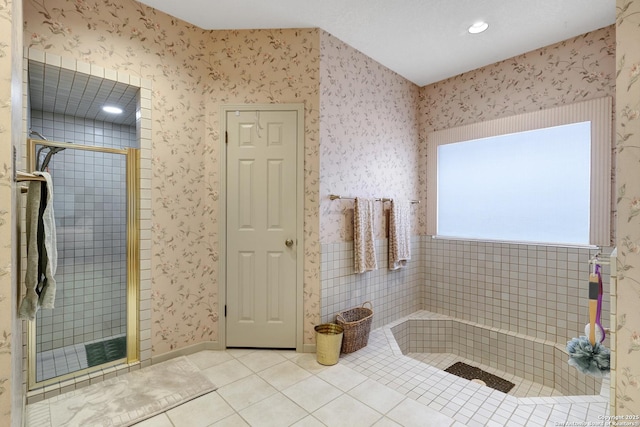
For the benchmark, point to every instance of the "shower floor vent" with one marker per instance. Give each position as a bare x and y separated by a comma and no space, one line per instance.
106,351
472,373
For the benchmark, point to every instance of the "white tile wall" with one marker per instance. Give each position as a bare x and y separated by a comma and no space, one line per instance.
90,211
143,127
531,293
65,128
393,294
539,291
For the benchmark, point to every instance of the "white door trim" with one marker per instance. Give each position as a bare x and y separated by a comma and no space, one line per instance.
222,218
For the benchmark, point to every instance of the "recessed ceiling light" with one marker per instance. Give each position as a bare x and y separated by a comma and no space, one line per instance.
478,27
112,110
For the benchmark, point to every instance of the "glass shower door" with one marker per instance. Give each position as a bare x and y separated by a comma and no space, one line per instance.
94,202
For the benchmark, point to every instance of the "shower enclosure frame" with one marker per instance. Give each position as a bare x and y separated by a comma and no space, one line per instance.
132,156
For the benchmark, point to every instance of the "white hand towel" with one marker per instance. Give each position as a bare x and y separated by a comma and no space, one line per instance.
399,234
363,239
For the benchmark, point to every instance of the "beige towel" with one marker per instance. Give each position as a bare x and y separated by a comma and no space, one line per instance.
364,253
42,252
399,234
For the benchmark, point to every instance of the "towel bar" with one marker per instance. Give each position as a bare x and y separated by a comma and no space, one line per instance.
383,200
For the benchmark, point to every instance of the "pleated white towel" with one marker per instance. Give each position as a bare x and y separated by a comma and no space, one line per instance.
364,253
42,251
399,234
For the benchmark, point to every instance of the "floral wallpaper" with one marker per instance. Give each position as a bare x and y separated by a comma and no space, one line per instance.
10,135
605,62
627,364
372,125
6,282
574,70
369,134
570,71
193,72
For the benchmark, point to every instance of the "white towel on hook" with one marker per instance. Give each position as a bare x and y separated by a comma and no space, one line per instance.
42,251
399,234
364,253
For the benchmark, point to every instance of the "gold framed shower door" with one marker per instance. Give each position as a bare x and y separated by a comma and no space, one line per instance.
132,156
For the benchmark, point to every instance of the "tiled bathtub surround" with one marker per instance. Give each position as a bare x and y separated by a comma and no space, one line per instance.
538,291
393,294
512,307
536,360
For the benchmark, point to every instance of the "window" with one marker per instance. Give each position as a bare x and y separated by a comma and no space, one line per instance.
541,177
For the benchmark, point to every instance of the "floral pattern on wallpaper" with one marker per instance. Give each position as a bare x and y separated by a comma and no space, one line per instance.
627,397
369,134
6,280
192,72
570,71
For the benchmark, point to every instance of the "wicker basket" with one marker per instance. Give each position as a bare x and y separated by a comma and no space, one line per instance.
356,323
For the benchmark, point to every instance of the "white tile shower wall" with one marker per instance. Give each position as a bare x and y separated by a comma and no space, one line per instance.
64,128
89,205
539,291
393,294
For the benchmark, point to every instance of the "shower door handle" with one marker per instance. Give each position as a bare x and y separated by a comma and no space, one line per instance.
288,242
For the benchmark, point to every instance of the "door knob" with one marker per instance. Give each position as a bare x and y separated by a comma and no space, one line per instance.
288,242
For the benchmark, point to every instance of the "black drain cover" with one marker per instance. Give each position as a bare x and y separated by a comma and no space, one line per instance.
471,372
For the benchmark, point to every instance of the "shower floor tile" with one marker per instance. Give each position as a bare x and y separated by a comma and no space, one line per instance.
523,387
64,360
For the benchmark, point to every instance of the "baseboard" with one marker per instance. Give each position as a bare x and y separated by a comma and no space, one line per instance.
185,351
207,345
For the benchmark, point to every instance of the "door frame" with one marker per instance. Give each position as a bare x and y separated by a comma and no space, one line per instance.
222,217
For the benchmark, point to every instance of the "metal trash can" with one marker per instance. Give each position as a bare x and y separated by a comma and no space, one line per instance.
328,343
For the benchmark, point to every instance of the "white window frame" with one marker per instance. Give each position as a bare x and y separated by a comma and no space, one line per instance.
596,111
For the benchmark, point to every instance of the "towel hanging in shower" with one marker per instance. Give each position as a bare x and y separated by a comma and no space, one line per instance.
399,234
364,252
42,252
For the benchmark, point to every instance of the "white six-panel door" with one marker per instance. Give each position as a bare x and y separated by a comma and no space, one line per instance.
261,228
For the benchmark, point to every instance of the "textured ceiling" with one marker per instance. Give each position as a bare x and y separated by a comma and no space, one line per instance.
56,90
423,40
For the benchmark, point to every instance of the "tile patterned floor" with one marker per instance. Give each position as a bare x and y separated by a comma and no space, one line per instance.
466,402
375,386
522,388
61,361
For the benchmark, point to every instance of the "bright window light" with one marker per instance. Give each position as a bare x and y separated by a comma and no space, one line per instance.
531,186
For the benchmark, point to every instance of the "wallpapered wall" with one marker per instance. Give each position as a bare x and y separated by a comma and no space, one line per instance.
6,211
369,134
574,70
193,72
10,135
570,71
627,399
369,148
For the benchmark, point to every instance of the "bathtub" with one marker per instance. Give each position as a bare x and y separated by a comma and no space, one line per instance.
533,359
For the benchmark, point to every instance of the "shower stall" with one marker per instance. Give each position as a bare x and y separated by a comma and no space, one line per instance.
94,166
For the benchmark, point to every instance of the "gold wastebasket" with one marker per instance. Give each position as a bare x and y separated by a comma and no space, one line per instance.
328,343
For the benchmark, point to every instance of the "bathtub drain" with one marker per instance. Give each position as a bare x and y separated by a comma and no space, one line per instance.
479,376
